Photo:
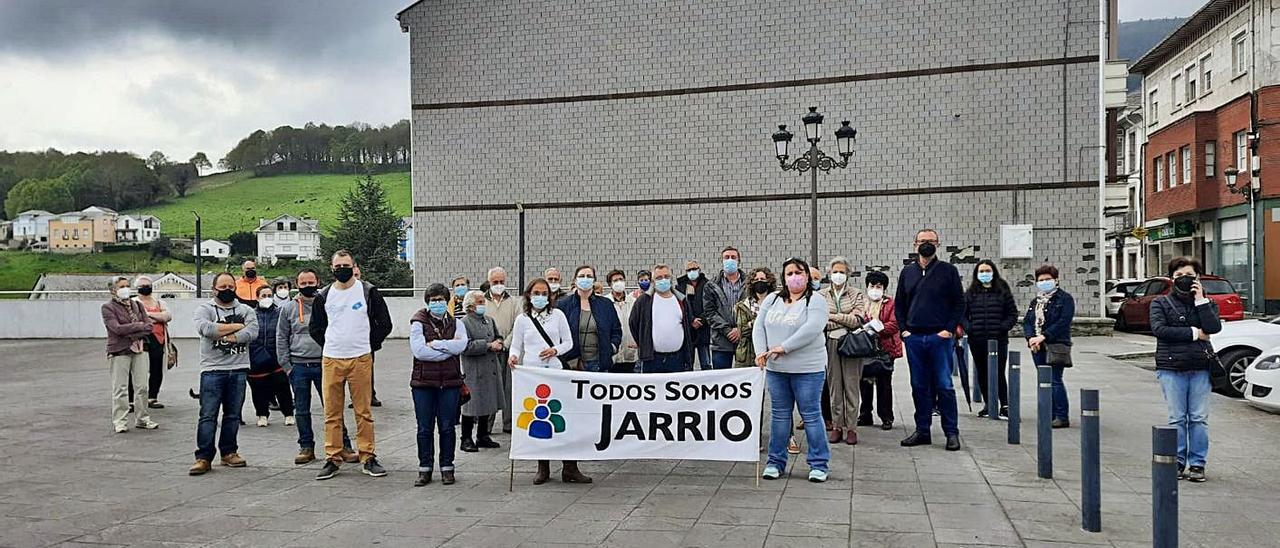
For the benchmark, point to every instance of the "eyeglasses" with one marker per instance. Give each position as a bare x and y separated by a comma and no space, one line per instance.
934,242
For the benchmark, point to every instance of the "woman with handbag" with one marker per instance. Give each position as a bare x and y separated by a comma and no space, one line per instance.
482,369
989,313
157,343
1047,327
846,309
437,339
761,283
540,336
877,372
1182,322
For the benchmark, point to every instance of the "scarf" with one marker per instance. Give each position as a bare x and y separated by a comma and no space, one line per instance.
1042,300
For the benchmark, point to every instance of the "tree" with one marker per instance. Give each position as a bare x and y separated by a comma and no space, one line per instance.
8,178
370,230
200,161
161,248
243,243
181,176
47,194
156,161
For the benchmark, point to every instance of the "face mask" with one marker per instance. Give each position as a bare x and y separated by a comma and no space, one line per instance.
795,282
124,293
839,278
144,290
663,285
644,285
460,291
875,293
497,289
282,293
343,274
618,286
437,308
816,284
927,249
584,283
693,275
309,291
986,277
1046,286
539,302
555,286
1183,283
266,302
480,310
227,296
250,274
760,286
730,265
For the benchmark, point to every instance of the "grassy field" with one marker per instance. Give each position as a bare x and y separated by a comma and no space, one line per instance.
231,202
19,270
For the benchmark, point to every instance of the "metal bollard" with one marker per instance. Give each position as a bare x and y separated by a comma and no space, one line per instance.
1015,397
1164,487
1044,433
1090,463
992,388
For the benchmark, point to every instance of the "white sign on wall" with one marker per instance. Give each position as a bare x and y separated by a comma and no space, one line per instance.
1016,242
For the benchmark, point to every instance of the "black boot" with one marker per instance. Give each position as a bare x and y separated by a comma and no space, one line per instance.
468,446
483,439
570,473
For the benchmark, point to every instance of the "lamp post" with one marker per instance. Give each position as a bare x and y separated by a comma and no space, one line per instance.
814,160
1250,194
199,255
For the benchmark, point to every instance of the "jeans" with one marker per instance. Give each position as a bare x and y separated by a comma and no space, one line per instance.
303,378
623,367
436,407
721,359
703,352
787,391
929,358
1187,395
672,362
1061,405
594,366
225,389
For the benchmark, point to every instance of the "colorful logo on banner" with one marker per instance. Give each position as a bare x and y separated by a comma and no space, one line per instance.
541,415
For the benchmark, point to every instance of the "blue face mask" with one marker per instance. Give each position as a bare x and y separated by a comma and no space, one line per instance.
986,277
460,291
480,310
663,285
730,265
644,285
539,302
1046,286
585,284
693,275
816,284
437,308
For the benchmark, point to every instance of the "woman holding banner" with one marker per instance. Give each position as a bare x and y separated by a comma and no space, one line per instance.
790,346
539,337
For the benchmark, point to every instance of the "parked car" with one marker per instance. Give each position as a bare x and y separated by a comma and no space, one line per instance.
1135,311
1237,346
1117,292
1262,378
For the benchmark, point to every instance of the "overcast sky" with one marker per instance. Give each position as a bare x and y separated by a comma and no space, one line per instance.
187,76
1130,10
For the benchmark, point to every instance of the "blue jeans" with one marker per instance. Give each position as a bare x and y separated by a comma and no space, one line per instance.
1187,395
721,360
223,389
595,366
664,363
704,355
1061,405
302,378
436,407
803,390
929,358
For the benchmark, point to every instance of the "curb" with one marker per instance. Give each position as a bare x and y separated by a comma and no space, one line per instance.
1133,355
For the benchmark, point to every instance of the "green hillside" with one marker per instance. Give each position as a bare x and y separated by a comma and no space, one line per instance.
19,270
229,203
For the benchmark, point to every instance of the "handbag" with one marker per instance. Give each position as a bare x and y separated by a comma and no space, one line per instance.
170,351
858,343
1057,354
880,365
563,363
465,394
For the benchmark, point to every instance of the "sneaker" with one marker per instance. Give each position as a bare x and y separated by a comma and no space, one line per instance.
886,425
199,468
917,438
349,456
817,476
234,460
375,403
305,456
793,446
288,421
1182,472
122,429
330,470
1195,474
771,472
372,468
262,422
1004,412
154,404
146,424
982,414
1060,423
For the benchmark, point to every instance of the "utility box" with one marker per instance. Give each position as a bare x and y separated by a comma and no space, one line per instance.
1016,242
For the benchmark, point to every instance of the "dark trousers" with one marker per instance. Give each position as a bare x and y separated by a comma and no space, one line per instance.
225,390
623,367
978,348
481,425
881,387
672,362
436,407
155,357
269,388
826,401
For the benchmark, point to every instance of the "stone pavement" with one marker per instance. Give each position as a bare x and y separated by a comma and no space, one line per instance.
70,481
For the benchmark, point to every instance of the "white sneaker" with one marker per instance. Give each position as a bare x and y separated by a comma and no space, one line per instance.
262,422
288,421
122,429
147,424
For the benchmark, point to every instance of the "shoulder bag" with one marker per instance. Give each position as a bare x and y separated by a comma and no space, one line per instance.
1057,354
858,343
538,325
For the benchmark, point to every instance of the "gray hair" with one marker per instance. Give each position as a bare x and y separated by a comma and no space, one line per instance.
469,300
839,260
111,286
138,281
658,266
489,275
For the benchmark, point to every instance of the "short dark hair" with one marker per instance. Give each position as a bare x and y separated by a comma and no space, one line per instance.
1179,262
435,290
261,288
731,248
528,306
877,277
578,270
643,274
310,271
214,282
615,272
1047,269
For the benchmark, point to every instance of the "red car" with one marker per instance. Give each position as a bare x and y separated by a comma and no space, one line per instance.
1135,312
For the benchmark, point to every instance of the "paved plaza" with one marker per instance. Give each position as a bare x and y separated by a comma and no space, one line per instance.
70,481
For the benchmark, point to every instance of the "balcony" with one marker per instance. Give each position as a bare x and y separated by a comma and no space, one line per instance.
1121,222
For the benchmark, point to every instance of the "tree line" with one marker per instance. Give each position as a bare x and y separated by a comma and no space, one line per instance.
322,149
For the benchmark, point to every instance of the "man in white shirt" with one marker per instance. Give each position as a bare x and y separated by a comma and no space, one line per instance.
662,324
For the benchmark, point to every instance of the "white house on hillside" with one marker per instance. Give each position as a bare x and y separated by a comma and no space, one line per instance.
288,237
214,248
137,228
32,226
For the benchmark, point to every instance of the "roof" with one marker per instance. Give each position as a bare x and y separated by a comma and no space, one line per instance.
208,240
92,282
411,6
35,212
98,210
1206,18
313,224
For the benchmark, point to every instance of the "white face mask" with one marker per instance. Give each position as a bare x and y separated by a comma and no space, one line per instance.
266,302
875,293
497,289
124,293
839,278
555,286
282,293
618,286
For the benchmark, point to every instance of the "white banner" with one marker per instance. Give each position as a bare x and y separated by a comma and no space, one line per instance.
577,415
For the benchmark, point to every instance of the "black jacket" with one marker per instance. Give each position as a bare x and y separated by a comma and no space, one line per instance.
379,316
930,299
641,323
1177,348
989,313
696,304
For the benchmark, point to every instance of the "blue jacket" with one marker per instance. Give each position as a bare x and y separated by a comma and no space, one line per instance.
608,327
262,350
929,300
1057,318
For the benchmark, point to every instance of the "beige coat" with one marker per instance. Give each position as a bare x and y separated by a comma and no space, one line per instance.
846,312
504,314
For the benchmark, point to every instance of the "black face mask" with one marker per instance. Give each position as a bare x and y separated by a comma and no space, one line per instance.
1183,284
760,286
144,290
308,291
227,295
927,250
250,274
343,273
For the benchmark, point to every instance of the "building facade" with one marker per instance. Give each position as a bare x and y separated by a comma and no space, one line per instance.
73,233
213,248
639,132
1212,100
137,228
104,223
288,237
1123,211
32,226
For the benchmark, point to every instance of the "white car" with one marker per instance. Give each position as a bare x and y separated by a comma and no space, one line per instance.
1262,378
1237,345
1117,292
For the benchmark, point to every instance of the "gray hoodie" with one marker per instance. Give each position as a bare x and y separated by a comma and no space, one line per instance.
293,341
216,354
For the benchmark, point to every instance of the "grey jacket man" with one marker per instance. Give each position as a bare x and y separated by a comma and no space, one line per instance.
293,341
718,309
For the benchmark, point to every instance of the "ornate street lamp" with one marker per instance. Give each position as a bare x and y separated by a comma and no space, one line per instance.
814,160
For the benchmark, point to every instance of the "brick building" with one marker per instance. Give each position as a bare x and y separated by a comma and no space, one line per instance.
639,132
1212,98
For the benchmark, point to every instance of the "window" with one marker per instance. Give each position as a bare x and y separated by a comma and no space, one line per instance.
268,237
1173,90
293,226
1155,106
1172,170
1132,145
1186,164
1211,159
1190,76
1206,74
1239,54
1242,151
1159,174
280,226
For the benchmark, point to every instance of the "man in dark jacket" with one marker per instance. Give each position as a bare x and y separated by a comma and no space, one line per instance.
349,322
661,322
929,304
718,301
693,285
